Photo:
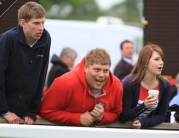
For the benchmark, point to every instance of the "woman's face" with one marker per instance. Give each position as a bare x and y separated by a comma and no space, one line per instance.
155,64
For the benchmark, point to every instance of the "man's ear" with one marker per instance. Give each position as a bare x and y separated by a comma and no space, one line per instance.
22,22
85,68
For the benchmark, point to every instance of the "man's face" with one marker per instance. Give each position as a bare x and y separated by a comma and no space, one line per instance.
127,50
69,61
33,29
96,76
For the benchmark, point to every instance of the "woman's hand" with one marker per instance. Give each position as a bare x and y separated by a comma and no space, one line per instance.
150,101
136,124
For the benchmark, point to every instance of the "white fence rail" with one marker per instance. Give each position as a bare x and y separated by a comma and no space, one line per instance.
47,129
39,131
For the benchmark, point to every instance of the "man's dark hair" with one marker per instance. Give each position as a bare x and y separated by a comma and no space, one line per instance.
125,41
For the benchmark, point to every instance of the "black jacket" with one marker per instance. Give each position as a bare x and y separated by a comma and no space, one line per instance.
122,69
22,72
58,69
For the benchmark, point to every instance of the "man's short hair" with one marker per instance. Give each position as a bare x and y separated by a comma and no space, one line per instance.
31,10
98,56
125,41
68,51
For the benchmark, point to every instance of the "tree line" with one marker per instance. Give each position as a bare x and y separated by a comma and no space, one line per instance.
128,10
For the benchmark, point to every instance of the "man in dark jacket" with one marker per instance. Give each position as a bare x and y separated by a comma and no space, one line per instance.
125,65
24,55
62,64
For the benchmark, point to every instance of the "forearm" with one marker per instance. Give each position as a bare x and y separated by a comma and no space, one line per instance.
61,116
153,121
108,118
130,114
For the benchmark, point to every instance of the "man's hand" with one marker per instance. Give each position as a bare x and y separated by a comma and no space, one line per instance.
12,118
150,101
28,120
86,119
136,124
97,113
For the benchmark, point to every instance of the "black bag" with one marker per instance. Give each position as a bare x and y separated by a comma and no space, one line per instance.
176,116
175,108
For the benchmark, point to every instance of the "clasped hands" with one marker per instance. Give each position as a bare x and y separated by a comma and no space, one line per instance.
96,115
12,118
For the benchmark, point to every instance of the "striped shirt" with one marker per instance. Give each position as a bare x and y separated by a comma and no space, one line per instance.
142,96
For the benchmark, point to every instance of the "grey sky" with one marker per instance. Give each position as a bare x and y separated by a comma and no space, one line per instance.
105,4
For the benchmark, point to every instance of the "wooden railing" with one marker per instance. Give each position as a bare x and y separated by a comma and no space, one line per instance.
162,126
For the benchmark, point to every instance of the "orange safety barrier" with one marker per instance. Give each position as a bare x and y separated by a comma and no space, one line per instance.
170,79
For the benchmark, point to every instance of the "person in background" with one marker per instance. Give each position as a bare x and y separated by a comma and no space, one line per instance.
142,109
88,94
24,55
175,99
62,64
126,64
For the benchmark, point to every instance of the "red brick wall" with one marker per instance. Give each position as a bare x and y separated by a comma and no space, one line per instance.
9,19
163,29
